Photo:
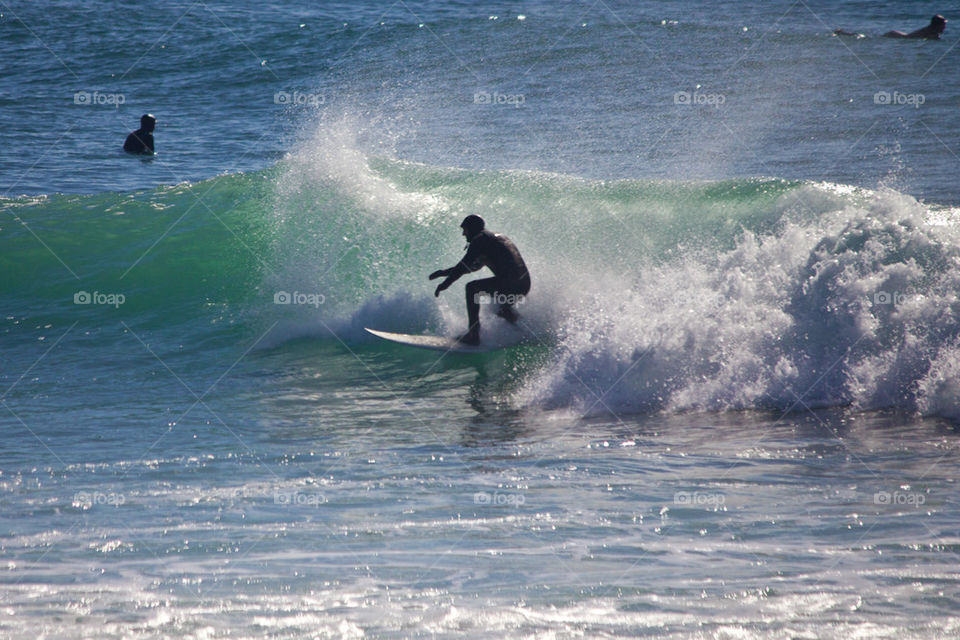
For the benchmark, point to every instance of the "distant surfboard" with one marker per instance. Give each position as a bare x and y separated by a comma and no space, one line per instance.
437,343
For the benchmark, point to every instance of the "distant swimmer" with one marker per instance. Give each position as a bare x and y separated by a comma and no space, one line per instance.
141,140
510,281
930,32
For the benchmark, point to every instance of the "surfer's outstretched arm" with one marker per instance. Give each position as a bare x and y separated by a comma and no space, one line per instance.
470,262
451,277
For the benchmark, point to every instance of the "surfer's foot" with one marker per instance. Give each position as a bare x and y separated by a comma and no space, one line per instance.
507,313
471,337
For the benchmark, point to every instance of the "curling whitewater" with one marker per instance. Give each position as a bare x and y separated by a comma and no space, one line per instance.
648,295
845,302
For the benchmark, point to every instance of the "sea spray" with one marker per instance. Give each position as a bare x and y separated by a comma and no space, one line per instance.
854,305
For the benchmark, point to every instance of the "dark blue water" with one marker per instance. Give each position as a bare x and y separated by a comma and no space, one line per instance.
584,89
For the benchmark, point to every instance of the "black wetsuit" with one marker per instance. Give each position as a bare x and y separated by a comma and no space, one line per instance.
139,141
500,255
930,32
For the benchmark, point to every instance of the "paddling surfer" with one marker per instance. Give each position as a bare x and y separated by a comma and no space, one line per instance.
930,32
510,281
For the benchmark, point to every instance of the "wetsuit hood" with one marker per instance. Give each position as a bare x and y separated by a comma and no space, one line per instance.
472,225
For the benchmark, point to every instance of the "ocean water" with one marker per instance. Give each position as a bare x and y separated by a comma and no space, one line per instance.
735,410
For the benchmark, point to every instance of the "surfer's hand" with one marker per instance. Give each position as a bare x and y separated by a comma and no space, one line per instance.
438,274
440,287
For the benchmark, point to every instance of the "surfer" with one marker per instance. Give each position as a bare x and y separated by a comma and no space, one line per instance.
510,281
930,32
141,140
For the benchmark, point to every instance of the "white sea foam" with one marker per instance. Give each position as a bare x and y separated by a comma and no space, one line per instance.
851,303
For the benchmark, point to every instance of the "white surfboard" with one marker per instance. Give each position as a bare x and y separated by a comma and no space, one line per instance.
437,343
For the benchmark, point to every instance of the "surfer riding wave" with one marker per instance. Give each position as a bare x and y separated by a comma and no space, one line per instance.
510,281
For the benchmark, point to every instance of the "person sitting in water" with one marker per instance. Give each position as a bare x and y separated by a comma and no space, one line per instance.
930,32
141,140
510,281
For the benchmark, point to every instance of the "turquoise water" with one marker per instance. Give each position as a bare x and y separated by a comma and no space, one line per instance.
735,411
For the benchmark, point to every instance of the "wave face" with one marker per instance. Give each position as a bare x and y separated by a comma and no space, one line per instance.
652,295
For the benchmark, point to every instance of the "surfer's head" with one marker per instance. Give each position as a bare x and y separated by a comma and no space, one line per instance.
147,122
472,225
939,23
